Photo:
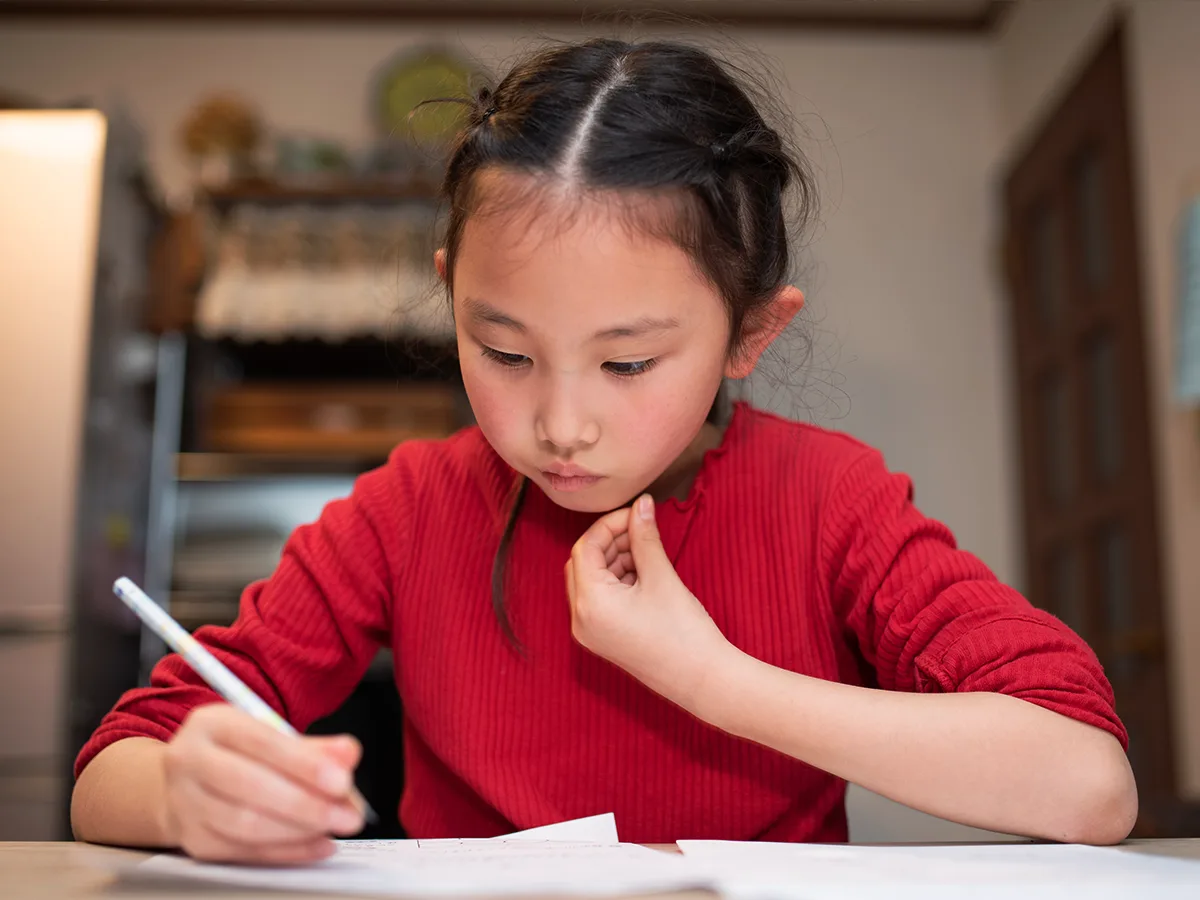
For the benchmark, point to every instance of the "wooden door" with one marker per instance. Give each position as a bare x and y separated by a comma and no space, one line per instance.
1091,527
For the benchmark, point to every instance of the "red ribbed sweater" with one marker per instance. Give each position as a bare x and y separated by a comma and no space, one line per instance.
805,549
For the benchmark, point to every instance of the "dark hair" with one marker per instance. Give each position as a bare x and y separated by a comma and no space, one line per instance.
631,118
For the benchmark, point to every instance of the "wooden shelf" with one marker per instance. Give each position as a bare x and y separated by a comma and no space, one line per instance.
32,623
334,190
200,467
194,608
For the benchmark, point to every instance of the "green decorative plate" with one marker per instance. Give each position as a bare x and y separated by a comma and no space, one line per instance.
413,78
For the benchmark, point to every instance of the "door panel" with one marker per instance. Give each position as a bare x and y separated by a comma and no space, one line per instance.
1088,483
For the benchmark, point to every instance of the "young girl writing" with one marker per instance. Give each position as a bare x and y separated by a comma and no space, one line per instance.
704,624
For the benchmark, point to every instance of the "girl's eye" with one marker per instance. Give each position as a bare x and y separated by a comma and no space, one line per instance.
630,369
512,360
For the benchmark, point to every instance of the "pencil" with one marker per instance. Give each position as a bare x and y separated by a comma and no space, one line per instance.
211,669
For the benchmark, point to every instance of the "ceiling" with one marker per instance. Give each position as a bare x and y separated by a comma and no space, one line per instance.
922,15
908,9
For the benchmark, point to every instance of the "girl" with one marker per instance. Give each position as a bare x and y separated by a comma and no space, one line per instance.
706,625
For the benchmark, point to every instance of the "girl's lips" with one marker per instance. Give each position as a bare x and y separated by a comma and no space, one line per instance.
567,470
569,483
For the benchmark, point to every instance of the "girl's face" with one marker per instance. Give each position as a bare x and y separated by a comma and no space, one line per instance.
591,354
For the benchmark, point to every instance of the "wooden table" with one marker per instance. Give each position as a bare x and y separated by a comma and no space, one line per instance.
70,871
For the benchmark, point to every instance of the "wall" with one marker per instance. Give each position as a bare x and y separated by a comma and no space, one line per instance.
1040,49
905,306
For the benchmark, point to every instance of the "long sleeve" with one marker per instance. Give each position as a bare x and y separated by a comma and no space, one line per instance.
304,637
929,617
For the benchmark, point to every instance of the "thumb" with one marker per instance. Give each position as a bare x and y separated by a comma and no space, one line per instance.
649,556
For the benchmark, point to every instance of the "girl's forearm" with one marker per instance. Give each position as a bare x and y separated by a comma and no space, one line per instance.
120,797
982,759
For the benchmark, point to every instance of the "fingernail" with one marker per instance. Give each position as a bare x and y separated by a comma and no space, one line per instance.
646,507
344,820
333,779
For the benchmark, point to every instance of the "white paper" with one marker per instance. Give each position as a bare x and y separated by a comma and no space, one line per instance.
581,858
600,829
764,871
466,868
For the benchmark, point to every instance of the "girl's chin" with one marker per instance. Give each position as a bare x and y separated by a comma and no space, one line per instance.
599,497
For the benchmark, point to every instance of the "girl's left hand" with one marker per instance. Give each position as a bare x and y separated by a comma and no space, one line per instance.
629,606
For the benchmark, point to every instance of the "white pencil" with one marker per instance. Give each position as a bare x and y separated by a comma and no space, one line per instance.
207,666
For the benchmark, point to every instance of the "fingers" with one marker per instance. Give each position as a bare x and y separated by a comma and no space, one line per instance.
211,846
344,749
239,791
642,525
620,545
601,545
604,550
622,566
239,824
645,542
605,530
588,558
300,760
264,793
606,545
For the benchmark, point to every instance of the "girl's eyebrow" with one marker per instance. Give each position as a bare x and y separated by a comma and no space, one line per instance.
484,312
636,328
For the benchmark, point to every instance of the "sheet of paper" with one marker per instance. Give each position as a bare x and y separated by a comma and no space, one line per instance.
579,858
600,829
763,871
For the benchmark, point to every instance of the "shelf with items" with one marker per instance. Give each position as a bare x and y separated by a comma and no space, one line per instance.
328,258
327,190
199,467
249,450
305,335
195,608
292,365
328,418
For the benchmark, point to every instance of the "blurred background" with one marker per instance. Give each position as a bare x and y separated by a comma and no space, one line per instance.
217,306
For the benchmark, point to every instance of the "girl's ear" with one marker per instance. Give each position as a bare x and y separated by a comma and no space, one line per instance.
762,328
439,262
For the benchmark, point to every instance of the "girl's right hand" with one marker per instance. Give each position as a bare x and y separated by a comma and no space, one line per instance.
239,791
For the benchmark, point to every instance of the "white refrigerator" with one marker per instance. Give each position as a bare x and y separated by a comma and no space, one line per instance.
51,166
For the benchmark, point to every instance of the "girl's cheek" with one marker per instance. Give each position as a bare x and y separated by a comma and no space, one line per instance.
494,404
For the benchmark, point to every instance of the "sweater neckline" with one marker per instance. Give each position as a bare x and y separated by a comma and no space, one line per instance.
703,475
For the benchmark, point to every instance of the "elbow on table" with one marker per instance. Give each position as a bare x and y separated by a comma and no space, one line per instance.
81,813
1107,808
